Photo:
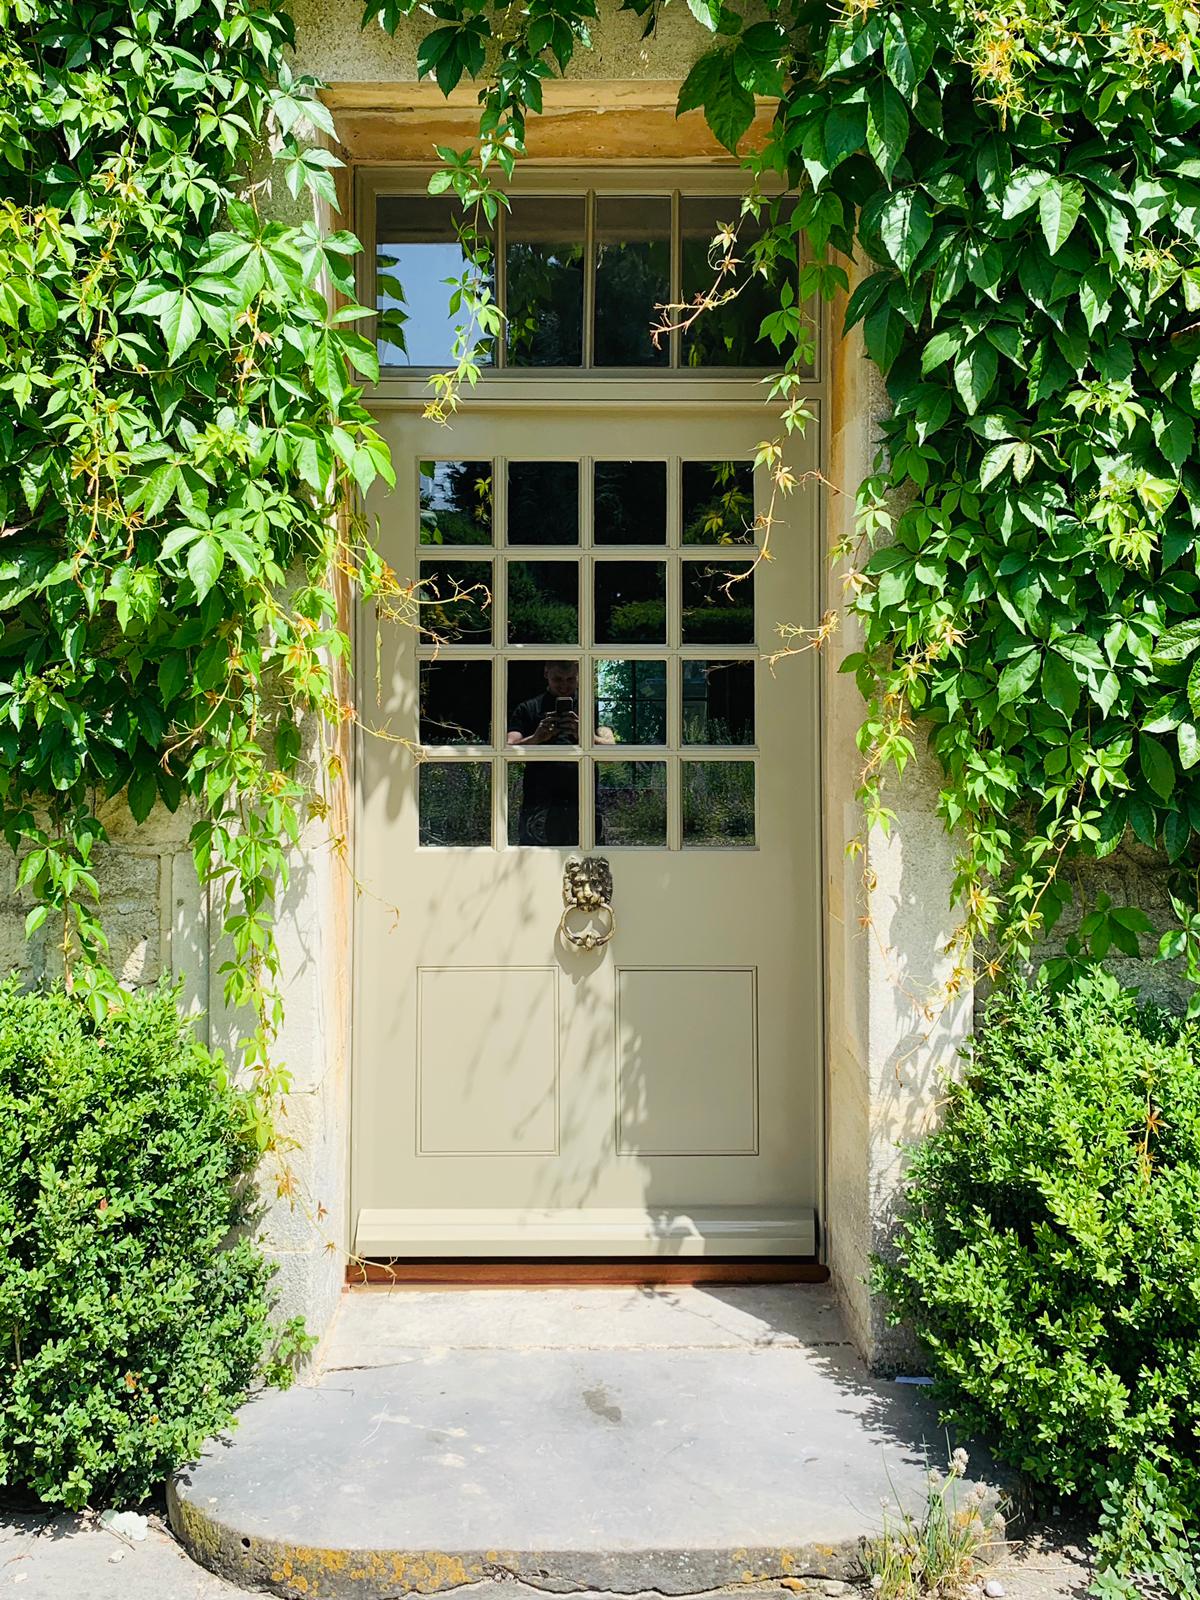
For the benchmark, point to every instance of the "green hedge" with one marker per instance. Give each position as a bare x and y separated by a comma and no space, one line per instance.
1050,1257
131,1322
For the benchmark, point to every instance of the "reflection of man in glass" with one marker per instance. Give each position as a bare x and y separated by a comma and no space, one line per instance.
550,791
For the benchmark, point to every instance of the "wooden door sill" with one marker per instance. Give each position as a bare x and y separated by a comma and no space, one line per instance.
540,1273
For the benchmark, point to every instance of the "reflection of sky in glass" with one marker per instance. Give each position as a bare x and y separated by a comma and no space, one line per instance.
429,331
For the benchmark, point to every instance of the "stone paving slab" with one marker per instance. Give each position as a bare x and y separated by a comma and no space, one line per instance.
379,1326
752,1446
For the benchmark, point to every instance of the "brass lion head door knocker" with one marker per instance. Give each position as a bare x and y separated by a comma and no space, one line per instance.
587,896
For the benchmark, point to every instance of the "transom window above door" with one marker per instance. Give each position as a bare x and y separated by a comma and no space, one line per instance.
581,278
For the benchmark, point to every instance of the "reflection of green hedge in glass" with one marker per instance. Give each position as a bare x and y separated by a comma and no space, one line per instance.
638,621
631,802
454,802
717,624
718,802
535,616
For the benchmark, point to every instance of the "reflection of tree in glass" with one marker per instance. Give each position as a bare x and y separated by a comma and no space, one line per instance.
718,502
454,803
631,700
456,502
545,305
718,802
539,612
631,279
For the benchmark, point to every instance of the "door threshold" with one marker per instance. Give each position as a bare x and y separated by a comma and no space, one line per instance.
540,1273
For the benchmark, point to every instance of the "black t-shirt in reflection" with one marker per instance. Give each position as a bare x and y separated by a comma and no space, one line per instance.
549,811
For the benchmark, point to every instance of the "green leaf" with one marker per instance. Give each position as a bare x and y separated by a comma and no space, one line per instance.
975,373
898,60
756,59
706,12
1060,685
729,108
1157,767
887,126
204,562
1193,689
172,675
1059,205
1022,191
1179,642
180,324
142,793
1019,676
845,131
905,226
1189,745
1177,831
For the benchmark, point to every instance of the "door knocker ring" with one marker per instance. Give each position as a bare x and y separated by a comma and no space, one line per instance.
587,887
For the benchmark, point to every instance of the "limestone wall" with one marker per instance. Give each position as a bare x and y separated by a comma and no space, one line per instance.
154,913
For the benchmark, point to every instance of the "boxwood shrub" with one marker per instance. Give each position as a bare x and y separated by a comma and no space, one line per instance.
132,1315
1050,1254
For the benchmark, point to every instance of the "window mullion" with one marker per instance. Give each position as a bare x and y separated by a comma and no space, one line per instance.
589,277
676,294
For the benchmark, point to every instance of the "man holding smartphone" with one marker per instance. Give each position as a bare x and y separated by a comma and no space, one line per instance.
549,813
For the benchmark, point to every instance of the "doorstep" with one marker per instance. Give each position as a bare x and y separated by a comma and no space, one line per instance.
625,1440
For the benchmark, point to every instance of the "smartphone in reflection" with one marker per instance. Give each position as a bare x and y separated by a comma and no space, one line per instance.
564,705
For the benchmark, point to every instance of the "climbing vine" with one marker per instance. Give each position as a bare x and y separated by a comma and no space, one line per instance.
183,429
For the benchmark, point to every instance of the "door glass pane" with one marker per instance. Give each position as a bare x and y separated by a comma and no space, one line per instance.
543,257
631,603
631,802
727,334
633,276
542,702
718,803
718,702
543,802
543,502
718,502
454,802
456,702
543,602
417,249
716,610
456,602
631,702
631,502
456,502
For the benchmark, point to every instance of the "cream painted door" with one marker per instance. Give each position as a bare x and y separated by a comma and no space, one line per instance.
514,1094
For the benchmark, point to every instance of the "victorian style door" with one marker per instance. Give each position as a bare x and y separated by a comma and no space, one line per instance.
588,972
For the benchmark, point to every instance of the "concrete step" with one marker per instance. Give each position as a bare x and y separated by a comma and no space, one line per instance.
676,1440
